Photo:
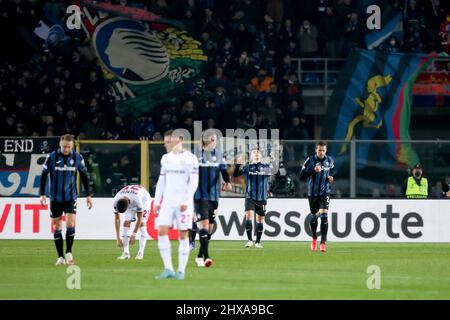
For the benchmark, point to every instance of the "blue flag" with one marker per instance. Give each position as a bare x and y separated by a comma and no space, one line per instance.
393,28
372,101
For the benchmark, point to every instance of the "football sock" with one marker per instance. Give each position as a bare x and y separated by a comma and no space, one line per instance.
313,224
70,236
125,240
57,236
143,239
183,254
323,227
203,234
259,231
249,229
165,251
211,225
193,232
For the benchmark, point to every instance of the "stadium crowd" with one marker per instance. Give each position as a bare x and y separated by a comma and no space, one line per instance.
251,80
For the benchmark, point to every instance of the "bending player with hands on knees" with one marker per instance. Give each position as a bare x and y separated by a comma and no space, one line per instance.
134,201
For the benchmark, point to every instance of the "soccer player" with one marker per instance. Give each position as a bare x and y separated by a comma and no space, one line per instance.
135,201
62,165
193,232
256,175
319,168
176,186
207,195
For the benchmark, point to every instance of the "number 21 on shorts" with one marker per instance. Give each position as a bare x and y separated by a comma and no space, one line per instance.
185,219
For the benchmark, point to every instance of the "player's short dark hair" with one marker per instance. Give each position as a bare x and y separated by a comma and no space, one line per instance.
67,137
209,133
122,205
170,133
321,143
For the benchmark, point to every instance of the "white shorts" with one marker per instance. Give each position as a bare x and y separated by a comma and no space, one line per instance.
167,215
130,215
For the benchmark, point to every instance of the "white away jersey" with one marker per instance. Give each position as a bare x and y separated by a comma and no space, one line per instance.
140,199
177,172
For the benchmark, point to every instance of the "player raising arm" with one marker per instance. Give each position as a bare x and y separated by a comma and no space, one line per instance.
135,202
256,175
176,186
319,169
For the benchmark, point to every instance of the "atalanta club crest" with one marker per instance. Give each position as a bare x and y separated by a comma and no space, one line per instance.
132,52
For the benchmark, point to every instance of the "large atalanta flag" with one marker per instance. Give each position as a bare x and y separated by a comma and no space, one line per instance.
147,60
372,100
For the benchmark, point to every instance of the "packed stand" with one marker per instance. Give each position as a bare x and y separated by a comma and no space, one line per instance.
251,79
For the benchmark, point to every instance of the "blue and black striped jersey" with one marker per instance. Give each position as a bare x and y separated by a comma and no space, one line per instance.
256,180
211,166
63,175
318,184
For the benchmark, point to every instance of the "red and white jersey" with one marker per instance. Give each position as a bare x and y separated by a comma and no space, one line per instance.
178,179
140,199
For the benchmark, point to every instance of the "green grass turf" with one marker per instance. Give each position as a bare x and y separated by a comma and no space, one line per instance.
282,270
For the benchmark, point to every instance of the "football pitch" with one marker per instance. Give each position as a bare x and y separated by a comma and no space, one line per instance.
282,270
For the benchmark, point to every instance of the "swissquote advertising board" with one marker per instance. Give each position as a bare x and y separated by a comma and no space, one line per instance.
361,220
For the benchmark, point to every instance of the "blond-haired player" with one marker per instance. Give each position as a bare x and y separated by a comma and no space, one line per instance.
174,201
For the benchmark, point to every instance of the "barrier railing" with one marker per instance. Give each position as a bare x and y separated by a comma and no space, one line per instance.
365,168
318,76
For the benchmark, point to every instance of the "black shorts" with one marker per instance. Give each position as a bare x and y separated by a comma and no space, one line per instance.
316,203
57,208
259,207
206,209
